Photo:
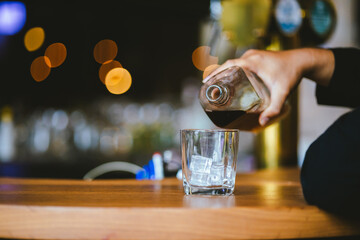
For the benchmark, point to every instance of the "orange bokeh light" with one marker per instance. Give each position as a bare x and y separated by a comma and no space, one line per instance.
210,69
34,38
118,80
106,67
201,58
105,50
56,53
40,69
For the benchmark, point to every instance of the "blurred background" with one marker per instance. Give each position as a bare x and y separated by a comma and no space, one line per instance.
85,83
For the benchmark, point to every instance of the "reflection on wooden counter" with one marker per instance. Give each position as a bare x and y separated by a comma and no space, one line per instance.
266,205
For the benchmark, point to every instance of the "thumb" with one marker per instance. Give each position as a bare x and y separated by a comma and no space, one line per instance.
277,100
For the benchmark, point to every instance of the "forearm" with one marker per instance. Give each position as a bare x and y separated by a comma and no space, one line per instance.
315,64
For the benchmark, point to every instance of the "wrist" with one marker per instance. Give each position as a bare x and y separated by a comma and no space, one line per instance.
306,62
317,64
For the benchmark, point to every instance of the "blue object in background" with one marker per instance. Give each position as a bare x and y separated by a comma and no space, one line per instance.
140,175
12,17
148,172
11,170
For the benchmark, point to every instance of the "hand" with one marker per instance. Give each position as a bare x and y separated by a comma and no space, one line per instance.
282,71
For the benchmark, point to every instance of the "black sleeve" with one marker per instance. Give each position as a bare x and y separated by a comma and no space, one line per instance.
330,174
344,86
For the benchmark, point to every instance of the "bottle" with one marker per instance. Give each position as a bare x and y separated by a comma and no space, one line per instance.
235,98
7,135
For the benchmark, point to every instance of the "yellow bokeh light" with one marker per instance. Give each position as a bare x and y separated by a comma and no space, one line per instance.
40,69
56,53
201,58
106,67
34,38
209,69
105,50
118,80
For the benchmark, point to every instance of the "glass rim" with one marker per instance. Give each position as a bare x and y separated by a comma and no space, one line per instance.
209,130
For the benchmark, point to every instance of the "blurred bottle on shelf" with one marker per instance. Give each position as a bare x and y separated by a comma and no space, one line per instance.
7,135
106,130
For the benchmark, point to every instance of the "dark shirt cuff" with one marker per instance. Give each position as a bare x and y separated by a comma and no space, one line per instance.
344,86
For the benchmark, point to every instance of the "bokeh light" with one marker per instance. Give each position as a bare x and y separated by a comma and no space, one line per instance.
106,67
105,50
12,17
40,69
201,58
118,80
34,38
56,53
210,69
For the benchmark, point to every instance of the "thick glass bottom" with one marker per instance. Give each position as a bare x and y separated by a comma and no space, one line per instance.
218,190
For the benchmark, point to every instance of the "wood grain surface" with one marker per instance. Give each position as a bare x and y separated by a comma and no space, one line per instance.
266,205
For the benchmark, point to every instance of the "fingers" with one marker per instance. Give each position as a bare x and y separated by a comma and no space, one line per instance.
245,60
278,97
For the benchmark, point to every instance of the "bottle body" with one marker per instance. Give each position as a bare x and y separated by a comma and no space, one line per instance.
235,98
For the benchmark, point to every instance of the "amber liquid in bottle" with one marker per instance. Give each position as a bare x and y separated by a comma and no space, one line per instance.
236,119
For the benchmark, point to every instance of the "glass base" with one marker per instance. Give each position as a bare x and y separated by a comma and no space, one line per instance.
218,190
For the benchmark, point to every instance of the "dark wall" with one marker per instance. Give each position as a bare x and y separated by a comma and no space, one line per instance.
155,41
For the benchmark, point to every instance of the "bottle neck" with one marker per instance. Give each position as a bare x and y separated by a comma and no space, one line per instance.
217,94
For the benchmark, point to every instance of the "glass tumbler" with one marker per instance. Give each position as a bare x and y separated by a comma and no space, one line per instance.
209,161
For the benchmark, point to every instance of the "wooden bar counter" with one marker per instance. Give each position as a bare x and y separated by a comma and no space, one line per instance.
266,205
